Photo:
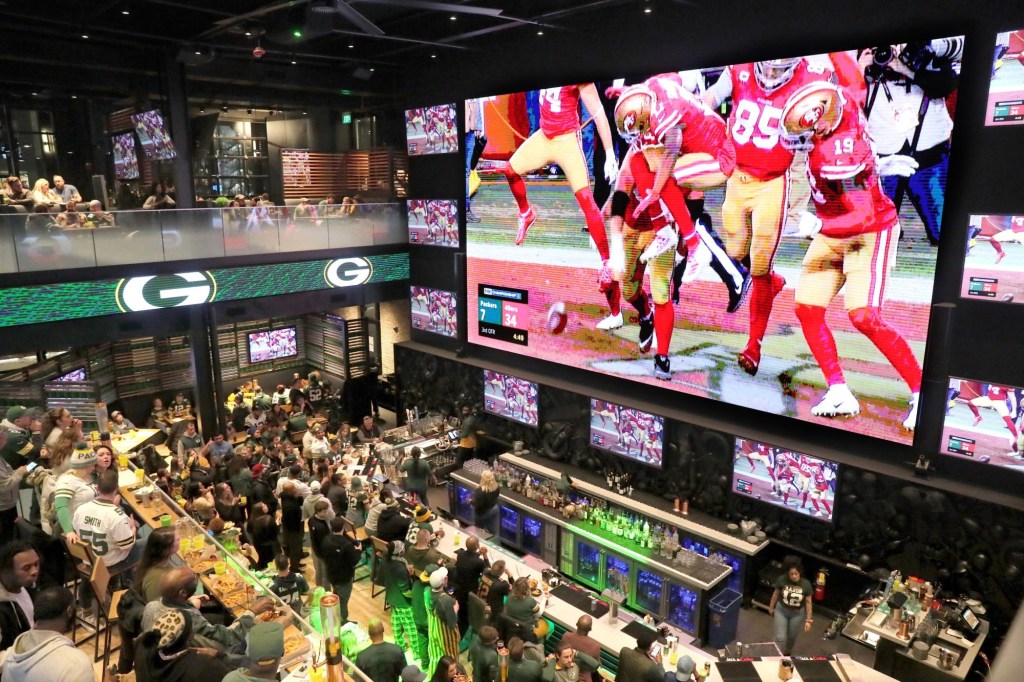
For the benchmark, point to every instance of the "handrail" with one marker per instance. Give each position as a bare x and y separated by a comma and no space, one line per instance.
34,242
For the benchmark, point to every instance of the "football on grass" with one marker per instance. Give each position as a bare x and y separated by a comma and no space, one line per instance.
557,318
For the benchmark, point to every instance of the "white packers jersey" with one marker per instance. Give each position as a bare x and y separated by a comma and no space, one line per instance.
106,529
77,491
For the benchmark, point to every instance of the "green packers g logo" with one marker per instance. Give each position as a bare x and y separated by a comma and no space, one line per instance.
348,272
153,292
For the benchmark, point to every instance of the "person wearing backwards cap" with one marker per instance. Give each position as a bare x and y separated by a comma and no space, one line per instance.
119,423
443,619
265,648
73,489
686,671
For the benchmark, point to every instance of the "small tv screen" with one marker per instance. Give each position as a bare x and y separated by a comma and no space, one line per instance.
994,260
434,311
1006,89
432,130
126,159
433,222
510,397
73,375
272,344
983,423
792,480
156,141
627,432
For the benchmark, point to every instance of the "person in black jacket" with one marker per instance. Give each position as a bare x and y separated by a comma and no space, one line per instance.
341,555
292,527
262,531
167,654
392,525
320,528
262,490
470,563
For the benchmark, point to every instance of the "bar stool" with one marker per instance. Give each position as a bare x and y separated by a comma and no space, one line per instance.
380,549
100,581
81,560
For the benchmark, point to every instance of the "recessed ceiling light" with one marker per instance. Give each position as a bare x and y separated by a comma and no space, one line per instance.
540,33
85,36
198,52
372,69
294,62
351,46
74,96
433,56
125,11
303,113
453,17
647,10
248,34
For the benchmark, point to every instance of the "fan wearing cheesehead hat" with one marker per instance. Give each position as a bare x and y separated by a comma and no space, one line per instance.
857,245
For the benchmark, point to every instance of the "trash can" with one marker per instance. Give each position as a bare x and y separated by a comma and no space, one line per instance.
723,616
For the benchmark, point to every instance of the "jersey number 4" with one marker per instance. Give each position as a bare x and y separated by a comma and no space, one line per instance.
751,123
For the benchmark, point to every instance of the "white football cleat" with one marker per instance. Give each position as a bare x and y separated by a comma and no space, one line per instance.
696,261
910,421
666,239
839,401
610,322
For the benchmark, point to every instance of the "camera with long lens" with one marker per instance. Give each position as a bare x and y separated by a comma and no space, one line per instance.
882,55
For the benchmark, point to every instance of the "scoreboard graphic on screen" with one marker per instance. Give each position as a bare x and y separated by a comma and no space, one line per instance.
983,423
1006,90
994,259
504,314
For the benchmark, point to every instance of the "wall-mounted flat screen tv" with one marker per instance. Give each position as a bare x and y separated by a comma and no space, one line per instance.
126,159
983,423
627,432
816,308
434,222
510,397
434,311
1006,90
73,375
272,345
152,132
792,480
994,259
432,130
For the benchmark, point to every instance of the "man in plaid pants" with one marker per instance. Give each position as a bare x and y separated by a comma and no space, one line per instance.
398,592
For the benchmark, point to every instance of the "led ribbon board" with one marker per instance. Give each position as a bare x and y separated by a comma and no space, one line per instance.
77,300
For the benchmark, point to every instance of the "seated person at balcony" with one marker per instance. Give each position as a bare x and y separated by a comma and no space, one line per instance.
303,210
158,198
280,396
119,423
98,216
39,219
66,192
158,417
181,407
368,432
70,218
327,207
45,196
16,194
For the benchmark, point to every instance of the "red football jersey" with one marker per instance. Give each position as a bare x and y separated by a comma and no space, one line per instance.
560,110
996,392
848,196
754,124
703,129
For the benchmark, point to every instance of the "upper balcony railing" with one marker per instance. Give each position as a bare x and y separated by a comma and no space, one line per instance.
37,242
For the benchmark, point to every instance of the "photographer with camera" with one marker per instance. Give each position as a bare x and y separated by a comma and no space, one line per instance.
909,122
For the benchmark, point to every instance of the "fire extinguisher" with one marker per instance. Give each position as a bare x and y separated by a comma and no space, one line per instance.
819,584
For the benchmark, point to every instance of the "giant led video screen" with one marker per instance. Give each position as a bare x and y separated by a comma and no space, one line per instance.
627,432
126,160
433,222
983,423
152,131
994,259
510,397
800,280
432,130
1006,89
434,311
792,480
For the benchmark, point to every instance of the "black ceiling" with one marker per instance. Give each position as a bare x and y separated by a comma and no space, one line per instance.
335,52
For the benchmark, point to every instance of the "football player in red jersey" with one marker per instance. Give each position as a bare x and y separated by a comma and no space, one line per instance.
676,144
757,194
1013,233
856,247
995,398
558,141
